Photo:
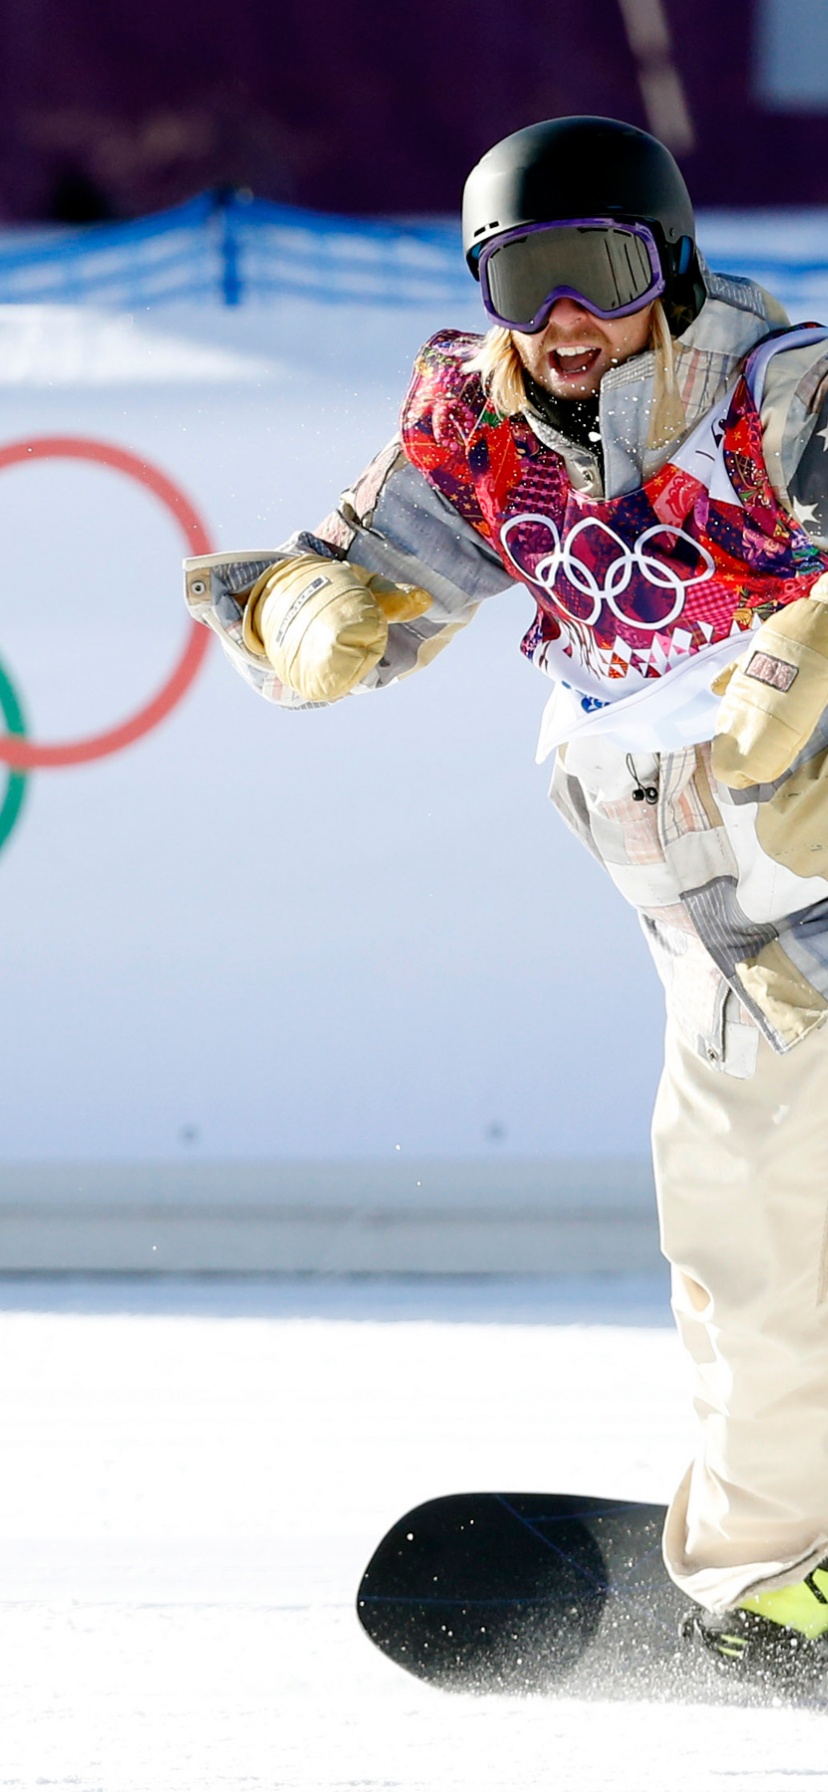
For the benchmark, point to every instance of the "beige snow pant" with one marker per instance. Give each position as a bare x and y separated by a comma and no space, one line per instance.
742,1179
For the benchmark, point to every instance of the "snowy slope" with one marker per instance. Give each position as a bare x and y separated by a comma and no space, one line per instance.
196,1475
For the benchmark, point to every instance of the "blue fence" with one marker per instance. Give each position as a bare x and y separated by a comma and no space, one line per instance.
231,251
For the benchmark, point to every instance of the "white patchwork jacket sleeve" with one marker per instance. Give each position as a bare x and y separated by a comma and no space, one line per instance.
393,522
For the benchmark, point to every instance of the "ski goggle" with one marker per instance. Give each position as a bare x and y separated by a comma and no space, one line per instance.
611,269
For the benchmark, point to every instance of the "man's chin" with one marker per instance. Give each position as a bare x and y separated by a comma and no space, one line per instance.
571,389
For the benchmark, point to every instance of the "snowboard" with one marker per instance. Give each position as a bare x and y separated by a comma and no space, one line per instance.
540,1593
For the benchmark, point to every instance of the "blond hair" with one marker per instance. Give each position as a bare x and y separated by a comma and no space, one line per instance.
501,371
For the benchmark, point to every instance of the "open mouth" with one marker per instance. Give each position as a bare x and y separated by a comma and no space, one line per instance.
573,363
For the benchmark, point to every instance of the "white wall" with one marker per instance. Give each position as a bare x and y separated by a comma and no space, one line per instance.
265,935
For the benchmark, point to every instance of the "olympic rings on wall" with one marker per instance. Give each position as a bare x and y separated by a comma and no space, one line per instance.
23,754
16,782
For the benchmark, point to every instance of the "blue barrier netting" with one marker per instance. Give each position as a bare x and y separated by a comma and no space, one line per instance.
230,250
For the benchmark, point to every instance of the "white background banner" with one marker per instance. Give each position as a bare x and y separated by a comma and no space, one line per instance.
253,933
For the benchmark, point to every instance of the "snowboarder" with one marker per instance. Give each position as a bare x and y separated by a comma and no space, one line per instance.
642,444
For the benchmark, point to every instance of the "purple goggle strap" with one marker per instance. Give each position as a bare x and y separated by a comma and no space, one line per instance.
570,292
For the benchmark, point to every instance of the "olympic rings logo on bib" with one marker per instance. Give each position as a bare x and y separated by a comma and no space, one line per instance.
605,584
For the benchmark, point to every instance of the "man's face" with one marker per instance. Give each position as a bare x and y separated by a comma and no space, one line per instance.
571,355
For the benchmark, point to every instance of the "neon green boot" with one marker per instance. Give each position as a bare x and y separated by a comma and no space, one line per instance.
803,1607
779,1634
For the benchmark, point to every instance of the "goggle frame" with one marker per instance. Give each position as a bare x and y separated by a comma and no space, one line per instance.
539,320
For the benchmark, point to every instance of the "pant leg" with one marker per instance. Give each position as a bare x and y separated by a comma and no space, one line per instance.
742,1179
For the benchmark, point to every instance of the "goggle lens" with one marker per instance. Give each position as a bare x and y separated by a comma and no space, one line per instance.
612,269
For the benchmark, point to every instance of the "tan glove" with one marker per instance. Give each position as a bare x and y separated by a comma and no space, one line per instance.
323,624
774,695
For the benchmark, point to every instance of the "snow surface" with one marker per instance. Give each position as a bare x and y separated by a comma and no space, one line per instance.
196,1473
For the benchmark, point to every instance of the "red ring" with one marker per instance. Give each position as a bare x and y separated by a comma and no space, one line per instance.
26,754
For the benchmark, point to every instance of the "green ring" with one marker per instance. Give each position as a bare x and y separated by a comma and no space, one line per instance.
17,781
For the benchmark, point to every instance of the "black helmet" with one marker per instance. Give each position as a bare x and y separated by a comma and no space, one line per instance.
589,168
